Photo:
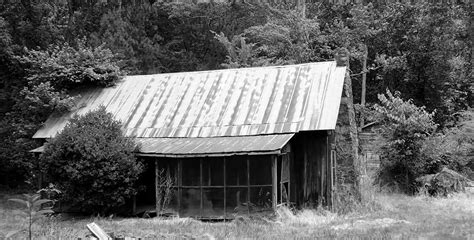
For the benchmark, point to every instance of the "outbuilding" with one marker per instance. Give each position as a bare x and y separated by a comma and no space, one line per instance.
227,142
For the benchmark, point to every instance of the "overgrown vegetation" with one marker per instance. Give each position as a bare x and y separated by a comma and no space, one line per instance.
397,216
33,210
39,85
92,163
406,126
413,148
165,191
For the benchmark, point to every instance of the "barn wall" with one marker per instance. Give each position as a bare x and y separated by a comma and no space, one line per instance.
370,143
311,168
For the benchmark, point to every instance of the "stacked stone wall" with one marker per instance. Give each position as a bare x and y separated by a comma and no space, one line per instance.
347,142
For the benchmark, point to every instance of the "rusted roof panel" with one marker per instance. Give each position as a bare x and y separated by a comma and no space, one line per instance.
231,102
213,146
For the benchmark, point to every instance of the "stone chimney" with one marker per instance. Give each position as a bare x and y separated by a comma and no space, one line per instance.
342,57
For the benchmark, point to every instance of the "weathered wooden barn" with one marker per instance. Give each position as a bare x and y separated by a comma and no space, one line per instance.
231,141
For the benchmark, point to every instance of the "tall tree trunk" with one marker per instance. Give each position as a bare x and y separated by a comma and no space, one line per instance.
471,36
364,83
70,22
301,7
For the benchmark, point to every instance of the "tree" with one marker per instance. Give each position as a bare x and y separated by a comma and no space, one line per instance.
67,67
406,127
426,56
93,163
39,88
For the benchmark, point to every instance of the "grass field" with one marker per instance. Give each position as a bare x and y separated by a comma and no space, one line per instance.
394,217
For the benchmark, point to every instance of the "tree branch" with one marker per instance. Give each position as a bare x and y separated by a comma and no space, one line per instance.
368,70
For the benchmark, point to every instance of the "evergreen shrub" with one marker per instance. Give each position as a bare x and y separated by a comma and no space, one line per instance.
93,163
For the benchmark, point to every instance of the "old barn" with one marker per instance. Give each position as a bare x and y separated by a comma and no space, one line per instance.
231,141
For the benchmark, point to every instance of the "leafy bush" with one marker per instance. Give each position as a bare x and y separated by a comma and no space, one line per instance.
452,148
406,127
66,67
93,163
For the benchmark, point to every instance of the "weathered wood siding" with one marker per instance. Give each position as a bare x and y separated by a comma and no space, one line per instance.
369,143
311,185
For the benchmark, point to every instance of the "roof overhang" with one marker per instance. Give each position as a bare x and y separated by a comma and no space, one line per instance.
213,146
209,147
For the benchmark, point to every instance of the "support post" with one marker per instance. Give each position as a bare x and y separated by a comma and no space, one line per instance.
274,182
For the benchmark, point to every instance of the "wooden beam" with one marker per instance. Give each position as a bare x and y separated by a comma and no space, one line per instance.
274,182
98,232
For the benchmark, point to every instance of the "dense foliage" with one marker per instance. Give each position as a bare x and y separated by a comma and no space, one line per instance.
92,162
40,87
49,48
406,127
413,149
451,148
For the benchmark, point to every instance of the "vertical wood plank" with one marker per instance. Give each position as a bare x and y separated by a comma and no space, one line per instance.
225,189
328,174
281,177
322,181
248,185
333,177
134,204
288,197
201,180
180,182
332,168
157,188
305,176
328,169
281,191
274,182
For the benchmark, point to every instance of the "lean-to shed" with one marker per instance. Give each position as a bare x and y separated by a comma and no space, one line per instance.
232,141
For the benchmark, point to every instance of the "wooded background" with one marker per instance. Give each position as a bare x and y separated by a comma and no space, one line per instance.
50,48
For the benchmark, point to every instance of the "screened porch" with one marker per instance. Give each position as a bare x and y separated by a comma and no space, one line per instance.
221,187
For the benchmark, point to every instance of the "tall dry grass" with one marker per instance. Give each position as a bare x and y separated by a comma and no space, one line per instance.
380,215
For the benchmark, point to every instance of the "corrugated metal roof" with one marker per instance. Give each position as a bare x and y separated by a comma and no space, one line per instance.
231,102
213,146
